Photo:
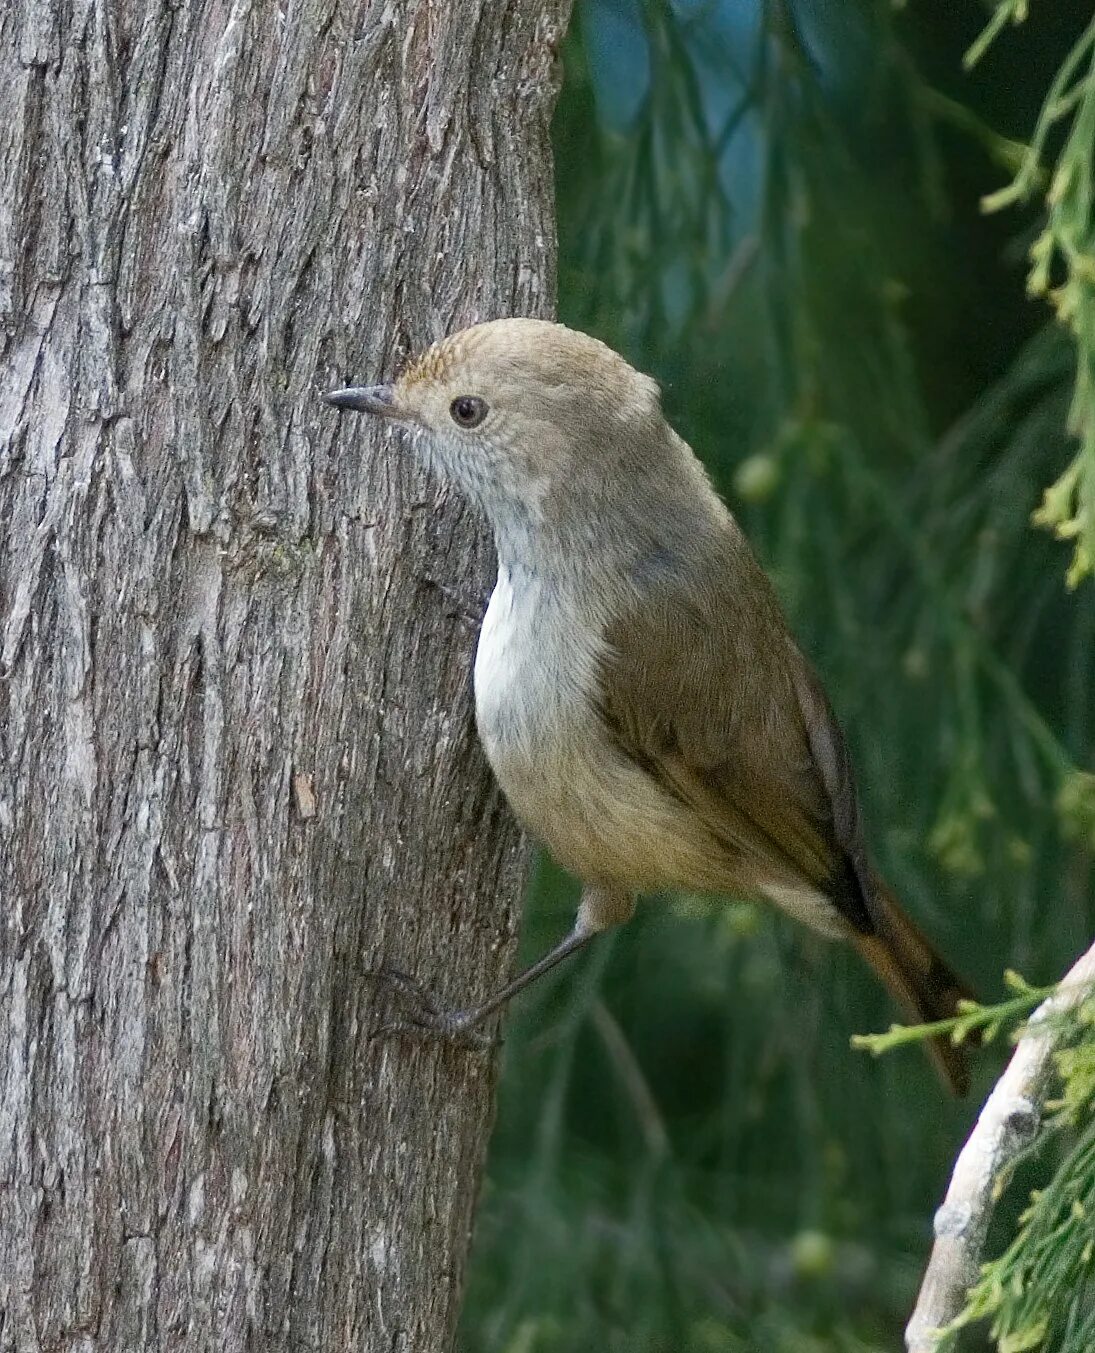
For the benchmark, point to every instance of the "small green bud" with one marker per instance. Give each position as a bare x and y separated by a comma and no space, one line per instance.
757,477
741,919
915,663
1075,806
953,841
813,1254
1019,852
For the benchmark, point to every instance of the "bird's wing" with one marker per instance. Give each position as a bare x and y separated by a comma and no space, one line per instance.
705,690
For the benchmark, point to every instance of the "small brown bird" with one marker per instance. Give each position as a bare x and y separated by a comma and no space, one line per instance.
638,693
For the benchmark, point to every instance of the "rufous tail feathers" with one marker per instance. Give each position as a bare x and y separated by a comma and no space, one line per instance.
922,983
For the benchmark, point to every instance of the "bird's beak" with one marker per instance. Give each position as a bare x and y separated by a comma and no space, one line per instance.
376,399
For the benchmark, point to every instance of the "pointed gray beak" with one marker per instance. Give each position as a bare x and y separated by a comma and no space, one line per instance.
364,399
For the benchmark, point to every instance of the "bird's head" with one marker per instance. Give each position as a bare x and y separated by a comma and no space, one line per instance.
532,419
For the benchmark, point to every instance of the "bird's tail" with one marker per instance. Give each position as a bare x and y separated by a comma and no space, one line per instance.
922,983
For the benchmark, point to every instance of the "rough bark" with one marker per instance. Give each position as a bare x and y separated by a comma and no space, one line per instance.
238,767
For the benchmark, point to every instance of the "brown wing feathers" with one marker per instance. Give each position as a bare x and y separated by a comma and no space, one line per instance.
766,765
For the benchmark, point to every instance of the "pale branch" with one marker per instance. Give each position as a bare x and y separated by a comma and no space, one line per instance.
1006,1124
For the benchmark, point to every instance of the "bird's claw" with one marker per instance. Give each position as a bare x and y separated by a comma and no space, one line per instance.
461,609
408,987
425,1017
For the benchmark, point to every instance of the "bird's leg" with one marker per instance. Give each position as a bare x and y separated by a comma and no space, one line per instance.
469,613
598,911
429,1019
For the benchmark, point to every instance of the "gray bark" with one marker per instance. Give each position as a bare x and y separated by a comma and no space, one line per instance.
237,761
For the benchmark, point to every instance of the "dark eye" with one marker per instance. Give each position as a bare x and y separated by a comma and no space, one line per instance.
468,411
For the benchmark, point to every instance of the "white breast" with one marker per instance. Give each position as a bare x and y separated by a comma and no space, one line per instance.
498,658
533,675
535,701
601,816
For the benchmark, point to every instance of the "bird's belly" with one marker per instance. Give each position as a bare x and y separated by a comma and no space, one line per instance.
608,822
602,818
597,826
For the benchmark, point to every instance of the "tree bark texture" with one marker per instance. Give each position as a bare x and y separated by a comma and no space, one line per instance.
238,764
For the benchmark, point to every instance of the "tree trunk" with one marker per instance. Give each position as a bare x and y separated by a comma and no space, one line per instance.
238,762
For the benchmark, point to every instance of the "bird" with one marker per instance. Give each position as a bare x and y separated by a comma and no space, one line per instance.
638,692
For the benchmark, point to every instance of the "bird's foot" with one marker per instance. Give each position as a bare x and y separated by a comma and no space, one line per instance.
469,613
423,1017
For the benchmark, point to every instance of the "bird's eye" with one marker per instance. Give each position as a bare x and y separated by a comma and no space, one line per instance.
468,411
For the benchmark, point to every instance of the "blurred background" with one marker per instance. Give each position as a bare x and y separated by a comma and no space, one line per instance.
775,207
